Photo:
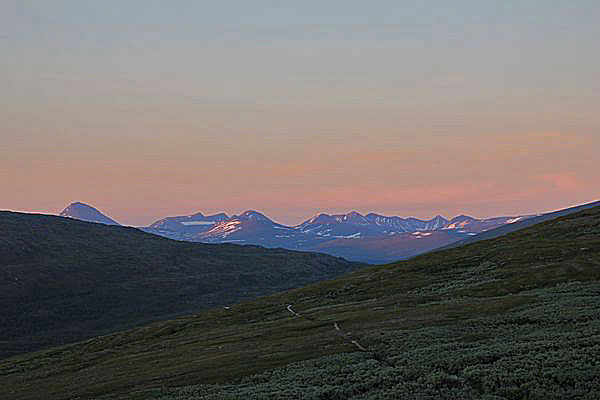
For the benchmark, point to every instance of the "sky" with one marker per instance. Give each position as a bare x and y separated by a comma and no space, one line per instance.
146,109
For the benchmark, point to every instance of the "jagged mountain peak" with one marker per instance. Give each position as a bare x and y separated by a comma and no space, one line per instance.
353,217
439,218
436,222
321,218
254,215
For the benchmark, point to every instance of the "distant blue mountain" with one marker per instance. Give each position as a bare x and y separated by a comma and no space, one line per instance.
369,238
87,213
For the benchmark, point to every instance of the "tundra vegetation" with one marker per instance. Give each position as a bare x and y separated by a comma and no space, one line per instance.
515,317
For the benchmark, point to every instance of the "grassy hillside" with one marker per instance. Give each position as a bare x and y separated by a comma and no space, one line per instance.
63,280
509,318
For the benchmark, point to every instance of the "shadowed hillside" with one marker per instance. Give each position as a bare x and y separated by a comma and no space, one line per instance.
509,318
63,280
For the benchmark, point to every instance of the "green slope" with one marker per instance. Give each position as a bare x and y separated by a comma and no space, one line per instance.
509,318
63,280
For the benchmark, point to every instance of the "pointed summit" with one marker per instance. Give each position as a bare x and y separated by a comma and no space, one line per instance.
353,217
254,215
321,218
436,222
84,212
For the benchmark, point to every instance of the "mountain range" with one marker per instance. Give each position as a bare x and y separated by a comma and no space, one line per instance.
370,238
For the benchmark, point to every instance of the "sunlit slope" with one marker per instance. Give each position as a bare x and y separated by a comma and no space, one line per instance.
508,318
